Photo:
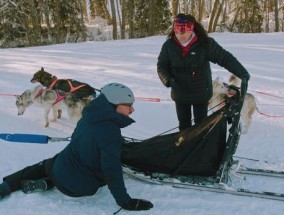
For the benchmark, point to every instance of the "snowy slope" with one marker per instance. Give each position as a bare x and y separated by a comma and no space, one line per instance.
133,62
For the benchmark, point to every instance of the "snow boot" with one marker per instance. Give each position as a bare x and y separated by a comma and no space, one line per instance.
30,186
5,190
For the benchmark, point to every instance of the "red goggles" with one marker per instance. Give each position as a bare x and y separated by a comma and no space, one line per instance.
182,25
182,28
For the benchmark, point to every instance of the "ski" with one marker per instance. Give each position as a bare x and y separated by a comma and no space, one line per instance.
205,185
261,172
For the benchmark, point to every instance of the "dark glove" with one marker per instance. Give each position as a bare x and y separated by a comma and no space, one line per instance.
137,205
174,85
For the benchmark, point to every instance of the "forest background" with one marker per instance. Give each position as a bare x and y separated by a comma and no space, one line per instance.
42,22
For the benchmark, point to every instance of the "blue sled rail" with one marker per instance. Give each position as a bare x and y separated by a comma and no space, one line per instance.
32,138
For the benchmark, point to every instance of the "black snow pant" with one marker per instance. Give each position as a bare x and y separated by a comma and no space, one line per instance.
184,113
41,170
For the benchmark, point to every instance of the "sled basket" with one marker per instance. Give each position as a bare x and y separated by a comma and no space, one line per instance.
206,149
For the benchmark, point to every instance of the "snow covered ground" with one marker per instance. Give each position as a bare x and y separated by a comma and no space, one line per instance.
133,62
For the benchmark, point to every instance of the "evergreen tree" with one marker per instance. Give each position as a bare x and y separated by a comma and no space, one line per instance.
150,17
13,24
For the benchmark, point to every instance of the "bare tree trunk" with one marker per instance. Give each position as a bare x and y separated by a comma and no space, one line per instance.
213,16
235,18
185,4
276,15
246,27
192,7
82,25
266,8
175,7
93,12
123,14
35,32
223,24
58,23
47,20
216,19
282,17
114,24
118,12
130,18
209,6
86,6
200,10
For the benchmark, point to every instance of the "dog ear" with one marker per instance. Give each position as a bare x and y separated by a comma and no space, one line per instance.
215,81
234,80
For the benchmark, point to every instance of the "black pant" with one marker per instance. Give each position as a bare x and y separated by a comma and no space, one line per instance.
41,170
184,114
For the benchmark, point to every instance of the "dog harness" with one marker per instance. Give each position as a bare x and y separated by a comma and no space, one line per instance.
72,88
39,92
59,96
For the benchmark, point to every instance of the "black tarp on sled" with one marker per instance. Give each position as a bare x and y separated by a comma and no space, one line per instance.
198,150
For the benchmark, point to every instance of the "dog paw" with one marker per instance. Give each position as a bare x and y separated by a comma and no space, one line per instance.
46,125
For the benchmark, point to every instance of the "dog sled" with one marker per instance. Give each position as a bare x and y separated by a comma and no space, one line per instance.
200,157
204,150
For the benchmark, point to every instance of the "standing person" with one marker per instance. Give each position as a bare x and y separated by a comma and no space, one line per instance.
92,158
184,65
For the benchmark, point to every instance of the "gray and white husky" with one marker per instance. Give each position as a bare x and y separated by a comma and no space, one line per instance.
48,100
249,106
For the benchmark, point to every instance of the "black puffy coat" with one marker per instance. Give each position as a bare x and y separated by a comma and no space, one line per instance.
190,76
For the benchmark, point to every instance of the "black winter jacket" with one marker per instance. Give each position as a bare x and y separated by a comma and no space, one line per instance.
92,159
190,76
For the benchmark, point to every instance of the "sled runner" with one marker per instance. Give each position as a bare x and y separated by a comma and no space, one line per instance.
200,157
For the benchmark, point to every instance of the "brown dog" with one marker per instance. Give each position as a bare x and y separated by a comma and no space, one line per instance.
50,81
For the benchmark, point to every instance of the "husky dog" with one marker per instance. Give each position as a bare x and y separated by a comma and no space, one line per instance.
249,106
50,81
47,99
220,90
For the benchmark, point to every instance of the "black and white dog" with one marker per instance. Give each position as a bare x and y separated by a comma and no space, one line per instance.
50,81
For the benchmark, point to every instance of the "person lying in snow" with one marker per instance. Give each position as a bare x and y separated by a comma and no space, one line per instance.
92,158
